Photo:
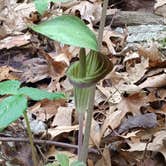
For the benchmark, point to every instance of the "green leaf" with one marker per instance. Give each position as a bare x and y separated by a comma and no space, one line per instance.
37,94
62,159
11,108
77,163
9,87
68,30
42,5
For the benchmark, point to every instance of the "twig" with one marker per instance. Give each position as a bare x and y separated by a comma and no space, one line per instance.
48,142
102,23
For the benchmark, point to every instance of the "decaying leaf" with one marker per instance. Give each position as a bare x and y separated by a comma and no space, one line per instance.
63,117
11,11
15,41
154,81
61,129
140,121
156,145
153,54
90,12
160,7
5,73
106,158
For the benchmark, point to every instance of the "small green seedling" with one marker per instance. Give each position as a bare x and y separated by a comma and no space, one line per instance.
15,105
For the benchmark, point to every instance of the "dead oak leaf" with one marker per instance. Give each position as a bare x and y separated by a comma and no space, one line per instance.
148,120
155,81
116,113
156,145
34,70
5,73
15,41
160,7
153,54
63,117
56,63
60,129
90,12
46,109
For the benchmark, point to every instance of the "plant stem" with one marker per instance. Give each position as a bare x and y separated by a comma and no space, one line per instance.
80,134
102,23
31,139
84,150
82,56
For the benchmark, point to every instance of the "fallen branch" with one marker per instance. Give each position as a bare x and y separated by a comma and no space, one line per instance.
122,18
39,141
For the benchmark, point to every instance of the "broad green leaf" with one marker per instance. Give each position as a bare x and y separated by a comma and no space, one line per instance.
37,94
62,159
11,108
68,30
77,163
9,87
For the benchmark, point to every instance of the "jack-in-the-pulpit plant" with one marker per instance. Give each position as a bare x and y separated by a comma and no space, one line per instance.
85,73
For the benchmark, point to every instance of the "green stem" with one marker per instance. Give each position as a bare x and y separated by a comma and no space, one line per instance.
31,139
102,23
84,150
82,56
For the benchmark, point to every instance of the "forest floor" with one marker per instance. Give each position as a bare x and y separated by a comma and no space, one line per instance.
129,119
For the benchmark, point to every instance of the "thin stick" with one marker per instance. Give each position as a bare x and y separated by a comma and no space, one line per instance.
31,140
48,142
102,23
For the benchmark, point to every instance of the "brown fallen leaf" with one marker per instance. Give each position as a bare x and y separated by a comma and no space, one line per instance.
95,134
117,112
60,129
90,12
63,117
34,70
148,120
137,72
106,158
160,7
153,54
15,41
155,81
56,63
46,109
6,73
156,145
13,14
